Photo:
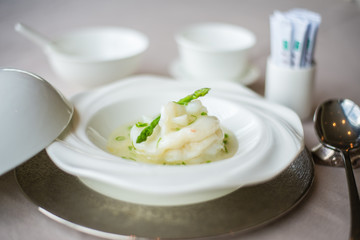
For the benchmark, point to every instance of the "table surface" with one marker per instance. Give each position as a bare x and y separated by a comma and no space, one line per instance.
324,214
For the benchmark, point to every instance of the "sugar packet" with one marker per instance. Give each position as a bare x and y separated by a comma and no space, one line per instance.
293,36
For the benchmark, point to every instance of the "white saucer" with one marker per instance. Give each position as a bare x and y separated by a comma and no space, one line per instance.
250,76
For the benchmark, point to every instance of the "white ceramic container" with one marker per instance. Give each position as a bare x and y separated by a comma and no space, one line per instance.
92,56
96,56
291,87
270,137
215,50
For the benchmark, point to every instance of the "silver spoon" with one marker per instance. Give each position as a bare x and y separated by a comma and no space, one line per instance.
337,123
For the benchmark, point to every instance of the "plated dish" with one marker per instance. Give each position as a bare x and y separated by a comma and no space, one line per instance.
262,130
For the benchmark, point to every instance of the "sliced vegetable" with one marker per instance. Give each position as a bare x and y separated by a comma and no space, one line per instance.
198,93
146,132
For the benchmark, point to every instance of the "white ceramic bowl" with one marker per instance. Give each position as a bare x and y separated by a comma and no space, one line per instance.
270,137
95,56
215,51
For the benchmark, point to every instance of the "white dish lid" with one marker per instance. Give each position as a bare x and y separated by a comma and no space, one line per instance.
33,113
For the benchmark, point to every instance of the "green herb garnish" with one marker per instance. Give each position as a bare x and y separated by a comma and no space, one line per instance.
225,141
128,158
120,138
157,144
146,132
141,124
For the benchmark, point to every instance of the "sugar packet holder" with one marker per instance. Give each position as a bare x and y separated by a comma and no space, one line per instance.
291,87
291,70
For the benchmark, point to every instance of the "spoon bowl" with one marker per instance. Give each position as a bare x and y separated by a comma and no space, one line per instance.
337,123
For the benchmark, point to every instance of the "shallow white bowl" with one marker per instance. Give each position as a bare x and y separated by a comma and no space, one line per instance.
270,137
95,56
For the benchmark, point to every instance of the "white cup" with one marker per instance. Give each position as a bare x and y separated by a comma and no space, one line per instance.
291,87
215,50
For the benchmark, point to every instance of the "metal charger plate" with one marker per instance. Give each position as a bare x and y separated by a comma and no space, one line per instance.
65,199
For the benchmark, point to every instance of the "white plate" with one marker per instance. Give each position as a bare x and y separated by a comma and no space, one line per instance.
66,200
270,137
250,76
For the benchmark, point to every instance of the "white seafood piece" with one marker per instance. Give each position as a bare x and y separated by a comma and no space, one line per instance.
184,132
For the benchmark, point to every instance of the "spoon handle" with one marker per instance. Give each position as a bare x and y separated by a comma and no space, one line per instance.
353,197
32,35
